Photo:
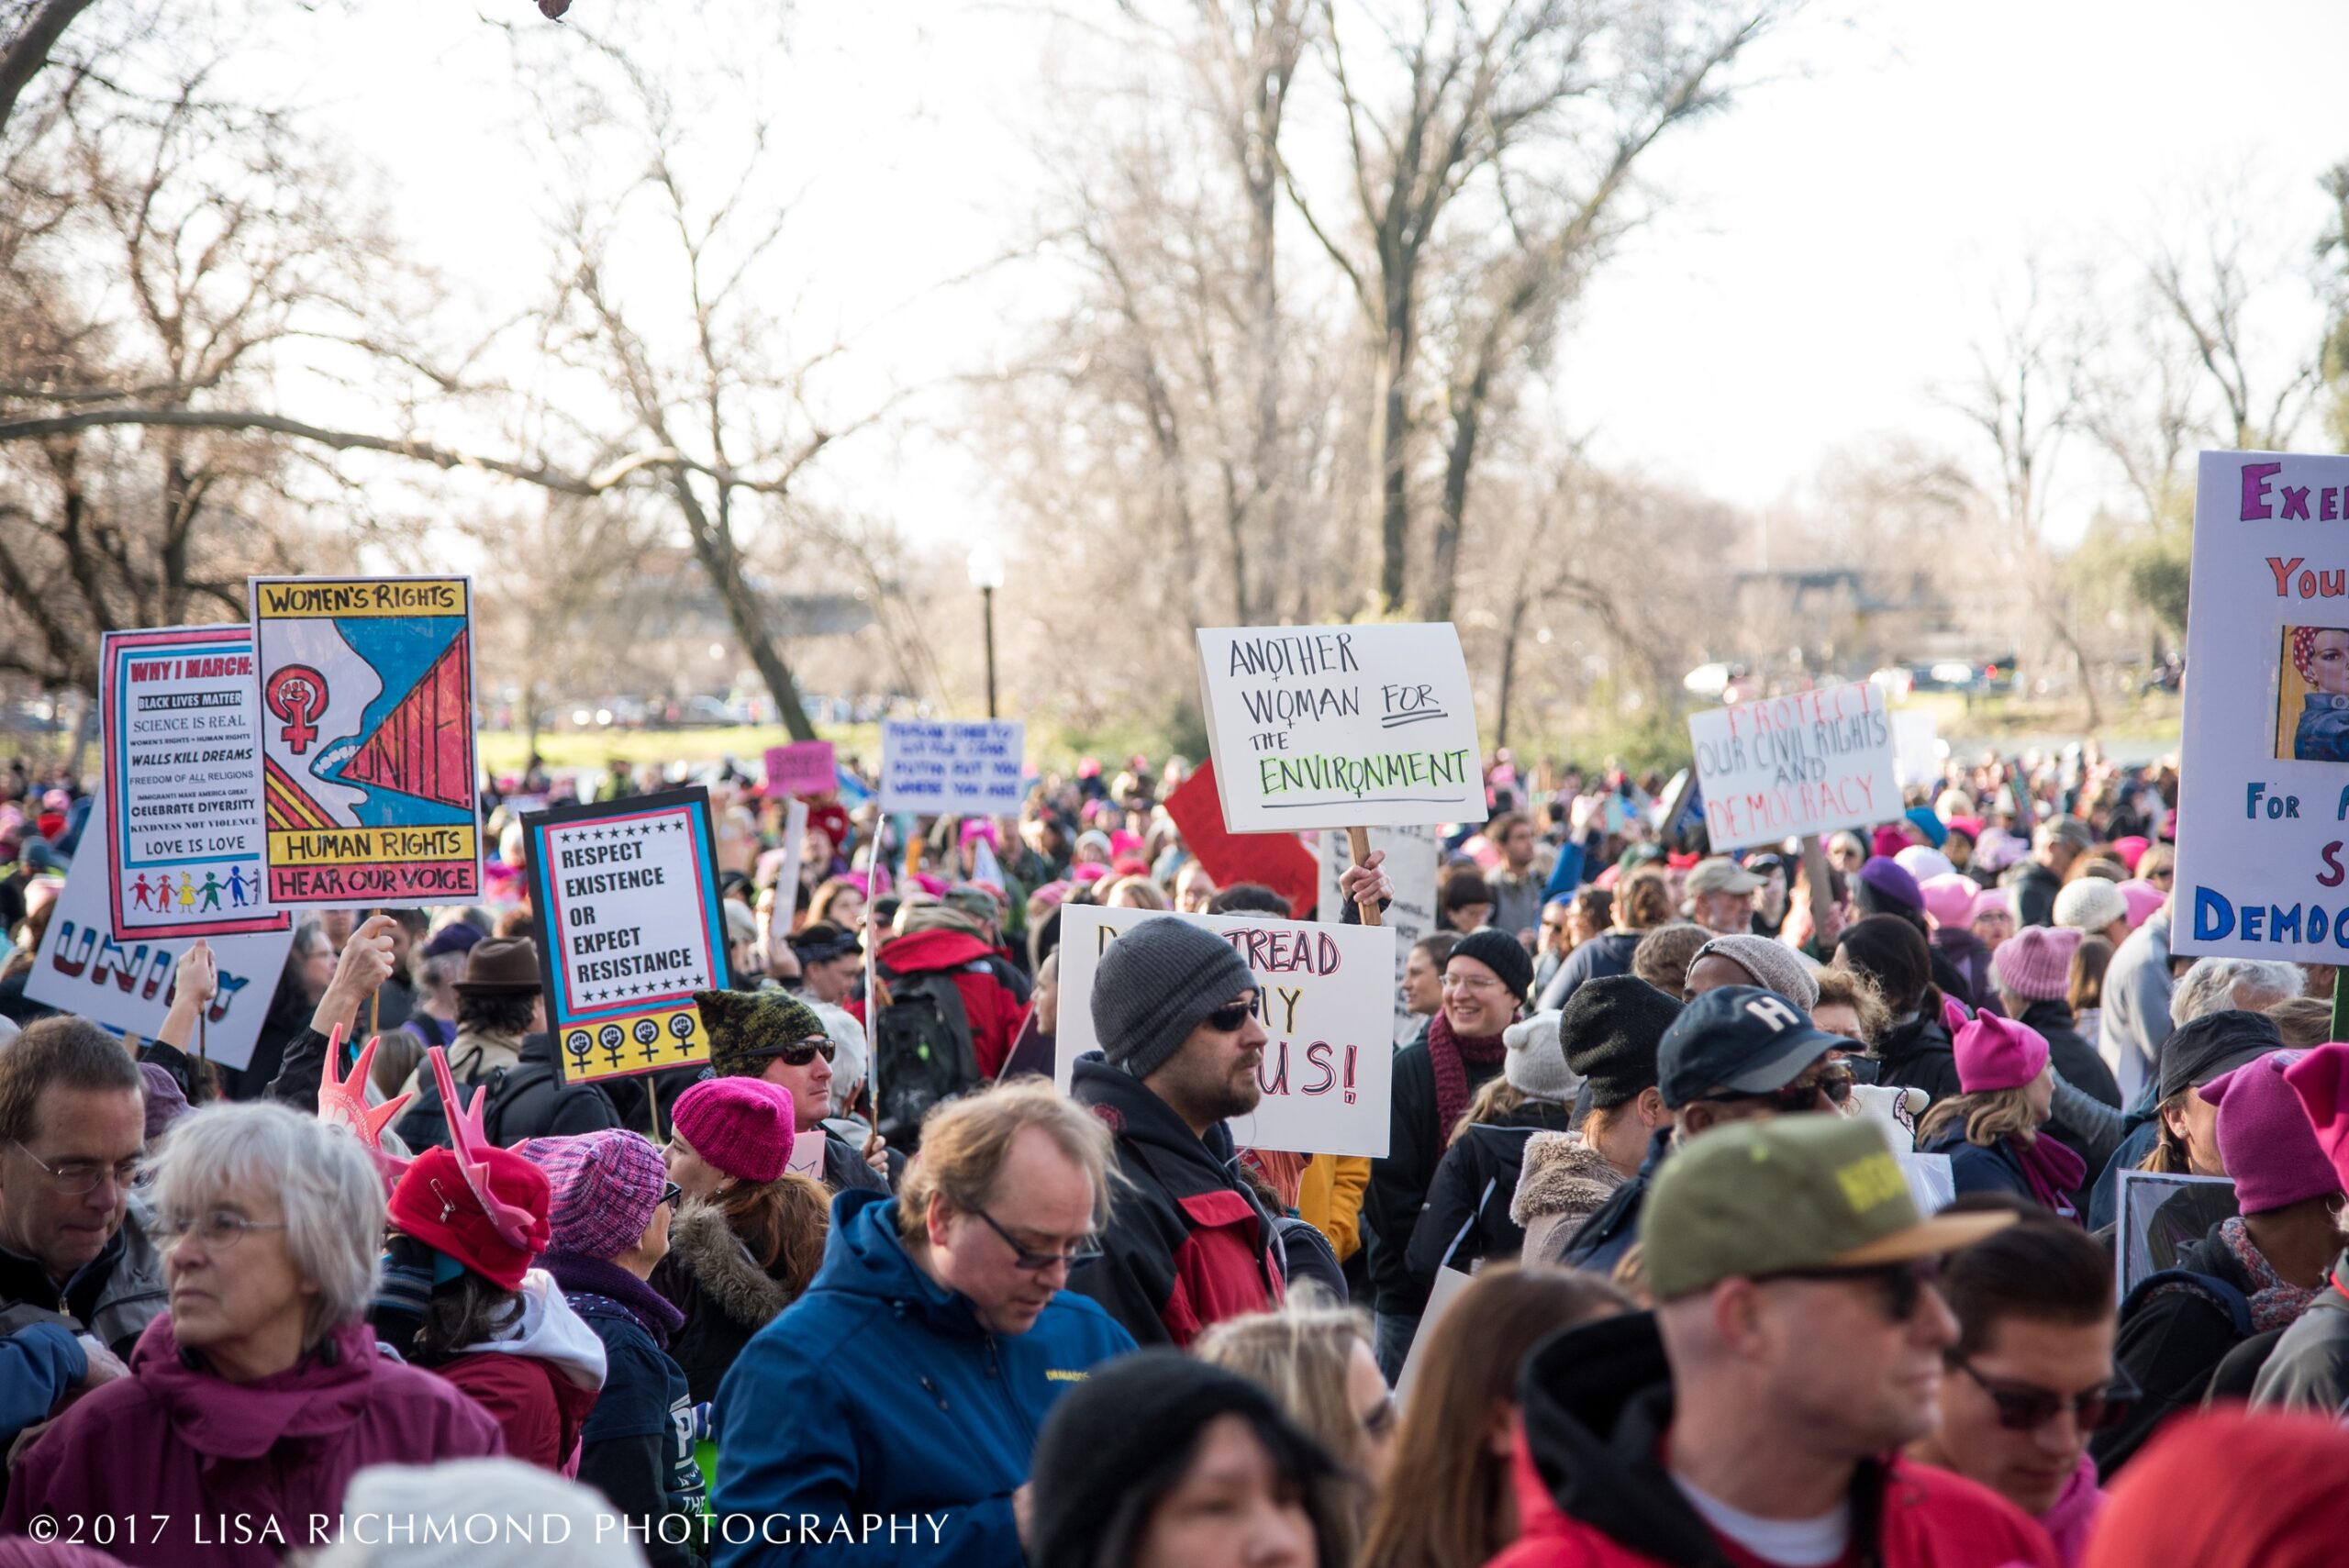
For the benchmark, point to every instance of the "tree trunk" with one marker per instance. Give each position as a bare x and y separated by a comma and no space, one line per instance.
719,559
1394,511
1511,629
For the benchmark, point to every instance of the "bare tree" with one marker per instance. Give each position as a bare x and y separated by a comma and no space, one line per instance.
2210,285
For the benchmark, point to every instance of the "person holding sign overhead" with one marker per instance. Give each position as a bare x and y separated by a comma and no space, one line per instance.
1186,1245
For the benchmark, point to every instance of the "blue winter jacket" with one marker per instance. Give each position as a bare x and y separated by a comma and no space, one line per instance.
877,1393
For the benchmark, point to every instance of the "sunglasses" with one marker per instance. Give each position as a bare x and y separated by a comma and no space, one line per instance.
1802,1094
1230,1016
1903,1285
799,1053
671,1196
1087,1251
2024,1408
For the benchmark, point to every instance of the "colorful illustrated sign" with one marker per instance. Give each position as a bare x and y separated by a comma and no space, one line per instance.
939,767
1410,865
182,748
2263,859
367,740
1809,762
1322,997
1341,726
127,985
804,767
629,928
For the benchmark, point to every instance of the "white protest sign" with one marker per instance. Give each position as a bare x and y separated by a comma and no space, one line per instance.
1915,748
181,755
1450,1282
1322,996
1412,856
1340,726
941,767
127,985
2263,791
808,1154
1809,762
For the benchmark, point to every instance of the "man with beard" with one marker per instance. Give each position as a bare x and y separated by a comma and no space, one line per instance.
1187,1245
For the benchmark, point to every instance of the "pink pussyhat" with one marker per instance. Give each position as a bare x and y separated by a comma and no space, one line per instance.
1996,1054
2321,1079
2130,850
2142,899
1950,899
2265,1137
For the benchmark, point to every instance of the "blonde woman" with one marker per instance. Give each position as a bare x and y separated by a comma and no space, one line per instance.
1990,1130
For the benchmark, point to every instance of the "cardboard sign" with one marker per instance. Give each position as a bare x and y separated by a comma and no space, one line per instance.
2263,794
182,754
1917,749
2160,1212
628,930
1278,861
1342,725
1410,865
804,767
807,1158
953,767
1812,762
367,740
1321,996
127,985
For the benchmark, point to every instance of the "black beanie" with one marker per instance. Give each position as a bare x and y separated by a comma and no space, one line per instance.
1133,1416
1611,1029
1501,953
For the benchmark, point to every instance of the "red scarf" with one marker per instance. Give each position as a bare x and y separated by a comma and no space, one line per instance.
2052,1171
1450,1053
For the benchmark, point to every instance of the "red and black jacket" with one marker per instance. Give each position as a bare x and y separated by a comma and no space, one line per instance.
1187,1245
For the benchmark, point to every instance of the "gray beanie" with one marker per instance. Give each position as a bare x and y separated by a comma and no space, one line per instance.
1154,985
1774,965
1536,1063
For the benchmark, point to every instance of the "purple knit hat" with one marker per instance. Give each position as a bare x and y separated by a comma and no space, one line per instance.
2035,963
165,1103
741,1126
1996,1054
606,1185
1891,884
2265,1138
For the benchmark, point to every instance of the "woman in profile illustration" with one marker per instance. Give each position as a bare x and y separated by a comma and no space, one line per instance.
2321,653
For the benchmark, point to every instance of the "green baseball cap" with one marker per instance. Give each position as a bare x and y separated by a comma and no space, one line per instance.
1784,1196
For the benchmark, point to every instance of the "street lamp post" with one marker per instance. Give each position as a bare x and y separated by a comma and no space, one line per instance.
987,576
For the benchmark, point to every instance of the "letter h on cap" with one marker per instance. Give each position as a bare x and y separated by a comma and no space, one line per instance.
1778,1014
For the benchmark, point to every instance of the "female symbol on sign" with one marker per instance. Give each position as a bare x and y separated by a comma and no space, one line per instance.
297,694
647,1035
682,1025
610,1038
579,1045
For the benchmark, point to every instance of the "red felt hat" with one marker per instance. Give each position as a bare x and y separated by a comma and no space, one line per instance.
434,1203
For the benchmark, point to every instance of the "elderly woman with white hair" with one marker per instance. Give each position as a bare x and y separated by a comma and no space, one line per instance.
255,1399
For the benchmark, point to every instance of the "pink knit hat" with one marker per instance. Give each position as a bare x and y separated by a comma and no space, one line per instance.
1996,1054
2035,963
1949,899
1993,901
2265,1138
606,1185
2130,850
2321,1079
743,1125
2144,899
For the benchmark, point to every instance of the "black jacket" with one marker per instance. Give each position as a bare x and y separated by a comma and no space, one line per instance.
2176,1328
1466,1216
1609,952
1400,1182
2075,1060
1187,1243
1919,1055
530,1099
2036,889
710,1276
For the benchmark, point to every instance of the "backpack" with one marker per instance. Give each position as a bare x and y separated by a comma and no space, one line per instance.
924,1052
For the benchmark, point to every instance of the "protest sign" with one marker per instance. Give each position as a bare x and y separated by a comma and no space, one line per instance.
953,767
367,740
1340,726
1321,996
804,767
787,880
2263,791
2159,1212
1412,856
806,1157
1917,748
628,930
1449,1284
127,985
181,747
1277,861
1782,767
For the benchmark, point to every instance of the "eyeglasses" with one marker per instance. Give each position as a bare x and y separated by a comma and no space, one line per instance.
1903,1285
1471,982
799,1053
1230,1016
671,1196
219,1230
2026,1407
76,1177
1834,1081
1022,1259
2162,875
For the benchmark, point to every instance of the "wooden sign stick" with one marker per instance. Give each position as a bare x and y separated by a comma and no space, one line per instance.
1358,846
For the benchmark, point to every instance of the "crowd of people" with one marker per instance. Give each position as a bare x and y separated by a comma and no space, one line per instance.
1761,1208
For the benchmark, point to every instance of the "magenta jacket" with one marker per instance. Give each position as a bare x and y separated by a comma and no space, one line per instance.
240,1473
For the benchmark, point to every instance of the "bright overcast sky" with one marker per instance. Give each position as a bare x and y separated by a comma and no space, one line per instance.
1831,247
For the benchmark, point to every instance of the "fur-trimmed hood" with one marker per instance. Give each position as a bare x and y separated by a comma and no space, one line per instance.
703,1244
1562,1175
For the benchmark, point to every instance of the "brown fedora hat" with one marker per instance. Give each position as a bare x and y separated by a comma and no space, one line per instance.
502,964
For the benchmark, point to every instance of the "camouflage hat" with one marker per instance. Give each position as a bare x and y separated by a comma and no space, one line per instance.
1787,1195
748,1027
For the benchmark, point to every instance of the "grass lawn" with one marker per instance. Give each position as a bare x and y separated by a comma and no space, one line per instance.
506,751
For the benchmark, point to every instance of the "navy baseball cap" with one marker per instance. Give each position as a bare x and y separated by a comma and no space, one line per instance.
1740,1040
